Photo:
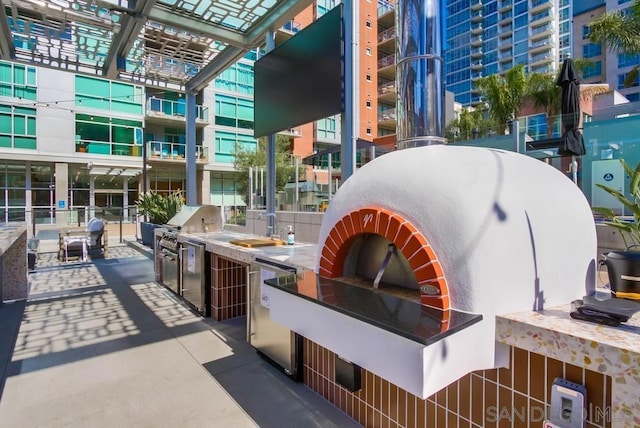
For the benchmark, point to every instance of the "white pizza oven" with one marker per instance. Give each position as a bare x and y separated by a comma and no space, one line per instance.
468,233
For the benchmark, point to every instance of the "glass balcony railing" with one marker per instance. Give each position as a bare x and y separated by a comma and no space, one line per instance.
387,61
384,7
292,27
108,148
541,29
161,150
386,88
387,34
159,106
389,114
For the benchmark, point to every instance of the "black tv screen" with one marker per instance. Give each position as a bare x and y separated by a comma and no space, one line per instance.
302,79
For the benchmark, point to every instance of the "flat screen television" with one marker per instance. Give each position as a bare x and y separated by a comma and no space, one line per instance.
301,80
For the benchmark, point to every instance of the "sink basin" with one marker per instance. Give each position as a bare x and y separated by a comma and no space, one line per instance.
256,242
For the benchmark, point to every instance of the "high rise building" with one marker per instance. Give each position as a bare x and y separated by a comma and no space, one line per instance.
484,37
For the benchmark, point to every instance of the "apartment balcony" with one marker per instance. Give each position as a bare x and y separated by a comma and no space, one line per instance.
387,117
476,29
476,15
505,56
541,59
387,92
506,18
540,5
476,4
476,41
387,66
476,65
476,75
288,30
505,30
505,47
386,14
387,39
162,151
505,5
541,45
476,52
291,132
542,17
541,31
160,111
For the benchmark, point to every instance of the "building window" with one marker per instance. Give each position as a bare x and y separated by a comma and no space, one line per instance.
17,81
627,60
107,136
234,112
109,95
368,77
368,51
368,104
592,49
326,129
368,130
226,144
368,24
593,70
623,77
237,78
17,127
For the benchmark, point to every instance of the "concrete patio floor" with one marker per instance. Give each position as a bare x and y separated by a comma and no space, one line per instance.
102,344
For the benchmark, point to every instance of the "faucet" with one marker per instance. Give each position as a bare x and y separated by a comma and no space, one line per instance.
270,226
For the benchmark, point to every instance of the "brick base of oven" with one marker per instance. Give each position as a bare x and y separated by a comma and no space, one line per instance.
518,396
228,288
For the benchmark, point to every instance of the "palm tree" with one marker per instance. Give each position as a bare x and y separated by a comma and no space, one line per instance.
471,123
504,95
545,93
620,32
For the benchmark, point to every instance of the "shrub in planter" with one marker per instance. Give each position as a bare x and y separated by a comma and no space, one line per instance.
624,266
158,209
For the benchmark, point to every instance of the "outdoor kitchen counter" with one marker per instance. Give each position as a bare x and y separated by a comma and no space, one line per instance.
301,256
613,351
13,258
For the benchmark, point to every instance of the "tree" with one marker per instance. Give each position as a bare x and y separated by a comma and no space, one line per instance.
504,95
257,158
620,32
544,91
471,123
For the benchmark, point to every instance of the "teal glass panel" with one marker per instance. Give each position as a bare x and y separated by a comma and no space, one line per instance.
25,111
245,109
31,126
24,143
5,90
5,108
90,86
19,125
5,72
31,76
5,141
5,124
18,74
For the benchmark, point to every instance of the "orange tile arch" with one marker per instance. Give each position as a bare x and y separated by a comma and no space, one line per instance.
421,257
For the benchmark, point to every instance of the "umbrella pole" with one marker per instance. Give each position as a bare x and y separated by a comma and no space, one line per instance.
574,169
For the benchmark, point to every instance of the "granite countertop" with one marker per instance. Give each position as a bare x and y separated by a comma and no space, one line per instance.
301,255
9,232
612,351
406,318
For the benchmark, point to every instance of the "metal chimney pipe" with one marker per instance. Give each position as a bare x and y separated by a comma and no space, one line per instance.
419,74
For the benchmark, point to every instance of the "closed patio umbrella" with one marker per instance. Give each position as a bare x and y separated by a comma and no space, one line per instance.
573,143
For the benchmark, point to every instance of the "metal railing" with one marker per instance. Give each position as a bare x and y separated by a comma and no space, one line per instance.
174,108
46,222
161,150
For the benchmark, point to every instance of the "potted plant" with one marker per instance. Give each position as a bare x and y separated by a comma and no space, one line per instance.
623,266
158,210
